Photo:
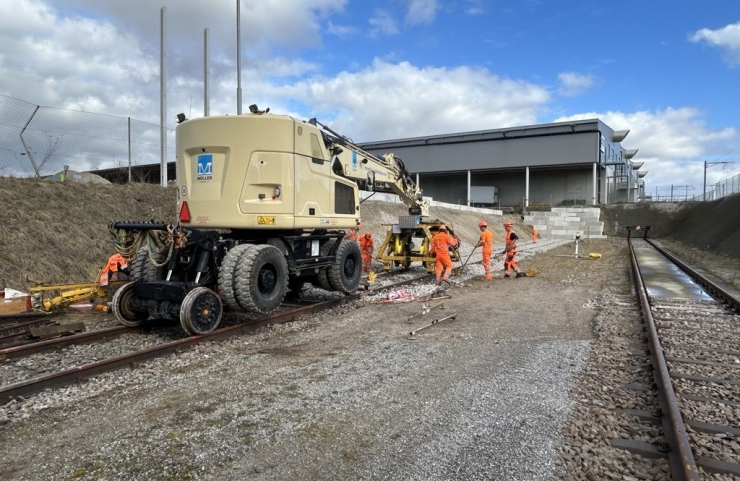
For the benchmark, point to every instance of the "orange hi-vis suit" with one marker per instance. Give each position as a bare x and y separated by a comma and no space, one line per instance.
510,249
350,234
366,248
441,242
486,240
116,263
534,234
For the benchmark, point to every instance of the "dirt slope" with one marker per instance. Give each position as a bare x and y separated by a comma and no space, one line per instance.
711,226
57,232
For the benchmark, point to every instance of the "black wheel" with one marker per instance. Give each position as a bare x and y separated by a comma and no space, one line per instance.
261,279
123,308
200,311
344,274
227,276
143,269
322,278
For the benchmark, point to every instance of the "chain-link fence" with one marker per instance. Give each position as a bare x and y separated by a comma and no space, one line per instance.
40,141
720,189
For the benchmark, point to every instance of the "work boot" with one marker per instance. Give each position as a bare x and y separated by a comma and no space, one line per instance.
521,274
507,275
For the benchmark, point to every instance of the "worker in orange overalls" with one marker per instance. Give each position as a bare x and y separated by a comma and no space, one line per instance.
366,247
351,233
510,251
486,240
114,270
440,245
534,234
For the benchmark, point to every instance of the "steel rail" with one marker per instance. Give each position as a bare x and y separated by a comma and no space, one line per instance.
17,352
720,291
683,464
69,376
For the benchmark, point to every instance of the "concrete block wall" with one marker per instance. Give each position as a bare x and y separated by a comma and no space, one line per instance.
565,222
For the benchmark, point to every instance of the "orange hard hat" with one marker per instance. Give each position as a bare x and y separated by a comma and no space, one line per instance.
368,235
443,228
482,224
507,223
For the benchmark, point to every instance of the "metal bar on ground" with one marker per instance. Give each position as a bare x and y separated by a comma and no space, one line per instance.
412,334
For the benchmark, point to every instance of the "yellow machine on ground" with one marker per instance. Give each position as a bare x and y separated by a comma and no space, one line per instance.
52,297
263,203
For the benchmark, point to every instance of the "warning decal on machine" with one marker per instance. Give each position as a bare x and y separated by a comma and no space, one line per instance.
265,220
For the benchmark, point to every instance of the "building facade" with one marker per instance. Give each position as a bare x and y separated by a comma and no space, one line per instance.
566,163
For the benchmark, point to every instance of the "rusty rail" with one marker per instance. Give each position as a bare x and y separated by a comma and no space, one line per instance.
683,464
69,376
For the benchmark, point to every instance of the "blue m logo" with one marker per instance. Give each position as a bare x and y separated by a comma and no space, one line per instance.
205,164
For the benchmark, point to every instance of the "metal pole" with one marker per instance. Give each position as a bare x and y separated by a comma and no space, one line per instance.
705,180
162,101
526,187
238,60
468,203
206,96
23,141
593,195
129,149
671,192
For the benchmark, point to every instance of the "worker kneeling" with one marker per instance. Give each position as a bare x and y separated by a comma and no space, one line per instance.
116,269
366,248
441,243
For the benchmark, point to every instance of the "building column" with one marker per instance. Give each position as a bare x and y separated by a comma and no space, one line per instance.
468,188
593,197
417,181
526,187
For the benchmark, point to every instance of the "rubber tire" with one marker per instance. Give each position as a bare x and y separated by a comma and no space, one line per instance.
197,311
344,275
322,278
261,279
125,315
142,269
227,276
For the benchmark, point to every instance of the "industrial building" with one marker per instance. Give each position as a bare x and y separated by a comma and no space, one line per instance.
565,163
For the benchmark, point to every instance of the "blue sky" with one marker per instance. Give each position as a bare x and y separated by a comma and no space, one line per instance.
668,71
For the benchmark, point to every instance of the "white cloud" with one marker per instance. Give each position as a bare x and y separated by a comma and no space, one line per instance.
421,12
573,84
382,23
342,31
387,101
727,37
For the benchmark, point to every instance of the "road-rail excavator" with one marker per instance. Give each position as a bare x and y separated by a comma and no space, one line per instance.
263,202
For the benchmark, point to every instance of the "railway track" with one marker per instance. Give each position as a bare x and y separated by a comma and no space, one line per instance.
694,347
139,352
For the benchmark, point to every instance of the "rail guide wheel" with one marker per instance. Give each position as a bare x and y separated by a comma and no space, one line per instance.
124,310
200,311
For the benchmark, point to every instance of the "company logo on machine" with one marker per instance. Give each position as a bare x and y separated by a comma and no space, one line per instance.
205,167
354,160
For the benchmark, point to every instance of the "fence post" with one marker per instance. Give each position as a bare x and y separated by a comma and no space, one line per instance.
129,150
23,141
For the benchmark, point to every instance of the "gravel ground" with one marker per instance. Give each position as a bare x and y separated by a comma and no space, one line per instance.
520,386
